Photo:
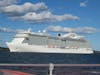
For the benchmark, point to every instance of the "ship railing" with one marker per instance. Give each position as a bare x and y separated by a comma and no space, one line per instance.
47,65
51,69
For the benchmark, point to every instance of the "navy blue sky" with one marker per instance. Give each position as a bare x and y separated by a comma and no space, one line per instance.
83,13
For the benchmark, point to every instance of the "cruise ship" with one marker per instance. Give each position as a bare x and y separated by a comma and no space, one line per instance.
43,42
43,48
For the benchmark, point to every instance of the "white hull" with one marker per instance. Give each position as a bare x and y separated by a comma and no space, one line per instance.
19,47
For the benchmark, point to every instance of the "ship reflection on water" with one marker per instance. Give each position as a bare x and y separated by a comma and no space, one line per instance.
48,70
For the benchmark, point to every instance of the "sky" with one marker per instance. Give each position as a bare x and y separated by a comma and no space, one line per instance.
79,16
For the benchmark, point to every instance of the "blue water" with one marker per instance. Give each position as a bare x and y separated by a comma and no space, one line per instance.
38,58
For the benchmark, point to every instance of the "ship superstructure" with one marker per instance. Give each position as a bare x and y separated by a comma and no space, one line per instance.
42,42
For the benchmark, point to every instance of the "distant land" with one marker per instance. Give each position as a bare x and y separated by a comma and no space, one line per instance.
4,49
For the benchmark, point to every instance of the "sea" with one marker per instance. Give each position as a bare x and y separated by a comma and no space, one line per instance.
23,64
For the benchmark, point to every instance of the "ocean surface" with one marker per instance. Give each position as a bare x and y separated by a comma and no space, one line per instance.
46,58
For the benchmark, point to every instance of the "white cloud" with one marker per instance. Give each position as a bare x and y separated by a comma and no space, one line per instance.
8,30
60,29
16,10
83,4
86,30
65,17
34,12
54,28
7,2
5,30
45,16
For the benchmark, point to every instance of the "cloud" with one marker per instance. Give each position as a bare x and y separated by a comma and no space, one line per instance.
60,29
45,16
35,13
15,10
83,4
8,30
54,28
7,2
87,30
